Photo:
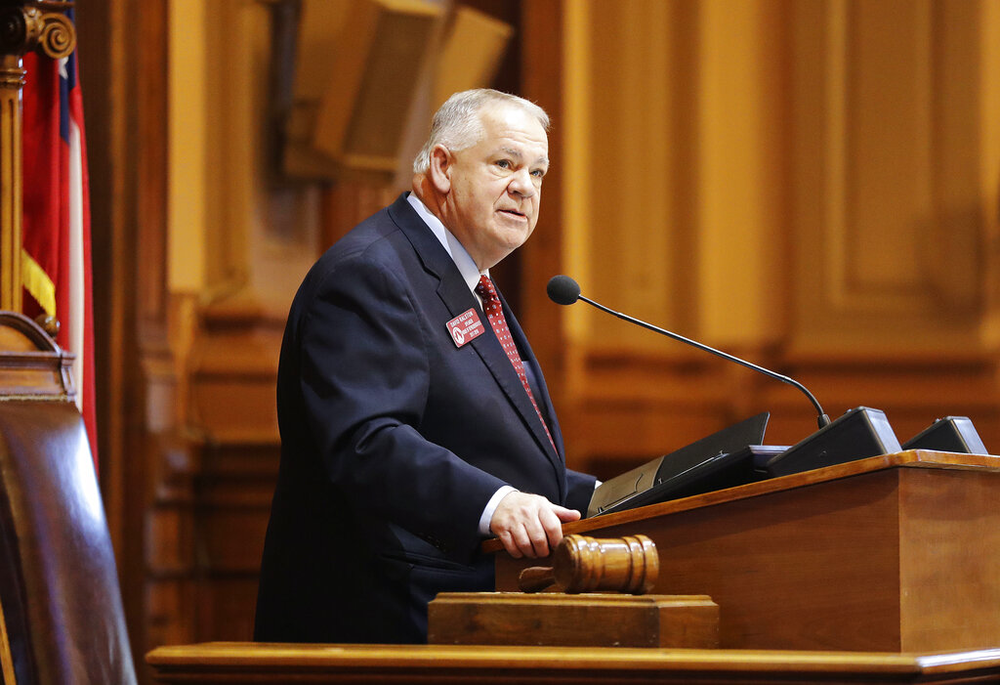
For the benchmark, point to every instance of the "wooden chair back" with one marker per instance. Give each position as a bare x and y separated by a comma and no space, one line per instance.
61,617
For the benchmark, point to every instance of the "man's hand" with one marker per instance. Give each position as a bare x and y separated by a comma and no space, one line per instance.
529,525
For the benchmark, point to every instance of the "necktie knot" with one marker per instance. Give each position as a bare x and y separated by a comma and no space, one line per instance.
486,290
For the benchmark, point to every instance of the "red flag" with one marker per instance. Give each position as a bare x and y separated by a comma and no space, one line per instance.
56,263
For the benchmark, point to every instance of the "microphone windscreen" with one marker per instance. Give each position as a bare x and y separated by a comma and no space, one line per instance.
563,290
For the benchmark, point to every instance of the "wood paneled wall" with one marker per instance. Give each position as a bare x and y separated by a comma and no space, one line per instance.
123,68
811,184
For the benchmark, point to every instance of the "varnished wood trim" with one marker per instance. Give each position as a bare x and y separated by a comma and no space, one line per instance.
11,81
909,458
579,664
30,330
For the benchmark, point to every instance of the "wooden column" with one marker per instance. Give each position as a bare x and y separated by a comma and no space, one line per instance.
24,26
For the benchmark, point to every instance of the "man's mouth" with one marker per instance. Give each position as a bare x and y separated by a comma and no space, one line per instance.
512,212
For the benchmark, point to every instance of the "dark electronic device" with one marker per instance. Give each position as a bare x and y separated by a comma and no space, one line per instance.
718,461
859,433
950,434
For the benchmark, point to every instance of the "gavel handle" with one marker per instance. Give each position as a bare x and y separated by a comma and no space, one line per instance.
536,578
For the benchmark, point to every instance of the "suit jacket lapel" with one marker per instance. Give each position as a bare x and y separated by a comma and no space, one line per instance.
457,297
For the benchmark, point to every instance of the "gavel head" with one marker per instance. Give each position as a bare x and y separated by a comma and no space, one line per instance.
585,564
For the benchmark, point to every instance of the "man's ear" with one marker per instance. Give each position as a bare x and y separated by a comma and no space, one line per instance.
440,169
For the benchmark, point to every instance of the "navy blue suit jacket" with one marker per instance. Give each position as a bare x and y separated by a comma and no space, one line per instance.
393,440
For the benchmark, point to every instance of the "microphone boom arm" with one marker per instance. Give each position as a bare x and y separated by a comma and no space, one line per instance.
822,419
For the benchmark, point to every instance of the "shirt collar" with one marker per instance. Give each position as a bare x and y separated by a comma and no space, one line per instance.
463,260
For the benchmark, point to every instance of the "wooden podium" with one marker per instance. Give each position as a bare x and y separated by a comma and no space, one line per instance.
870,571
897,553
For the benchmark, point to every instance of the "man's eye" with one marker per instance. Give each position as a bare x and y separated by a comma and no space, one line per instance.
538,173
503,163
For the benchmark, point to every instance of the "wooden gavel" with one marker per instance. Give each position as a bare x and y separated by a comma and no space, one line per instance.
584,564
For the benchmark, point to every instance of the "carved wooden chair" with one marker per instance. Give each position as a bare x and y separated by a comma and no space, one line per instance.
61,618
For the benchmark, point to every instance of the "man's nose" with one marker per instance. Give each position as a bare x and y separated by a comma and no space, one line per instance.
521,183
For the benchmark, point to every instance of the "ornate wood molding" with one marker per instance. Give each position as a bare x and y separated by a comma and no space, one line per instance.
27,25
24,26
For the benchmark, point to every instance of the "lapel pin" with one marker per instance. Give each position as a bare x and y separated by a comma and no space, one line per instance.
465,327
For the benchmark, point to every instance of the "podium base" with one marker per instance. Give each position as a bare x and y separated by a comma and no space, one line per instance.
584,620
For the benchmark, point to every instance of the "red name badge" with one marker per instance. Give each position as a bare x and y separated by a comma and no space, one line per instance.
465,327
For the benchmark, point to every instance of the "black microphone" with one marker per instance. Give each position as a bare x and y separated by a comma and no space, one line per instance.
564,290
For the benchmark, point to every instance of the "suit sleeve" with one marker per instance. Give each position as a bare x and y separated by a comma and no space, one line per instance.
365,381
580,489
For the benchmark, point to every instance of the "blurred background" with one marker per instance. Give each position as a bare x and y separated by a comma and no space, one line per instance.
809,184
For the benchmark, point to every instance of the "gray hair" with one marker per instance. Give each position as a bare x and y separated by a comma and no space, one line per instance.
456,124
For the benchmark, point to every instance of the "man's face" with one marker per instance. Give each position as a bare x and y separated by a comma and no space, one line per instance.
496,184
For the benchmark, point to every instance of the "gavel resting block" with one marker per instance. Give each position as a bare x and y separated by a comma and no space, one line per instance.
577,620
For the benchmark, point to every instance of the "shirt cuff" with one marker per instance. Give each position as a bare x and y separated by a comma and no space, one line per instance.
491,507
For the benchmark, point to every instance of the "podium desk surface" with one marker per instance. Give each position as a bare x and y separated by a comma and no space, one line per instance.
927,459
246,662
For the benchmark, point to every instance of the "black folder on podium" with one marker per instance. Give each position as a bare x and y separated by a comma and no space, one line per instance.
721,460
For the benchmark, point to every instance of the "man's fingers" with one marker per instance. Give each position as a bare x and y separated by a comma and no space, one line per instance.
539,535
516,541
526,540
566,515
510,544
552,526
529,525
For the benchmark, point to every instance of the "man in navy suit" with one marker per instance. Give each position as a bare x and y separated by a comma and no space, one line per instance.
415,421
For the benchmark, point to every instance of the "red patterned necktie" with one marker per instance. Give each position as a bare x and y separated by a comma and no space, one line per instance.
494,312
